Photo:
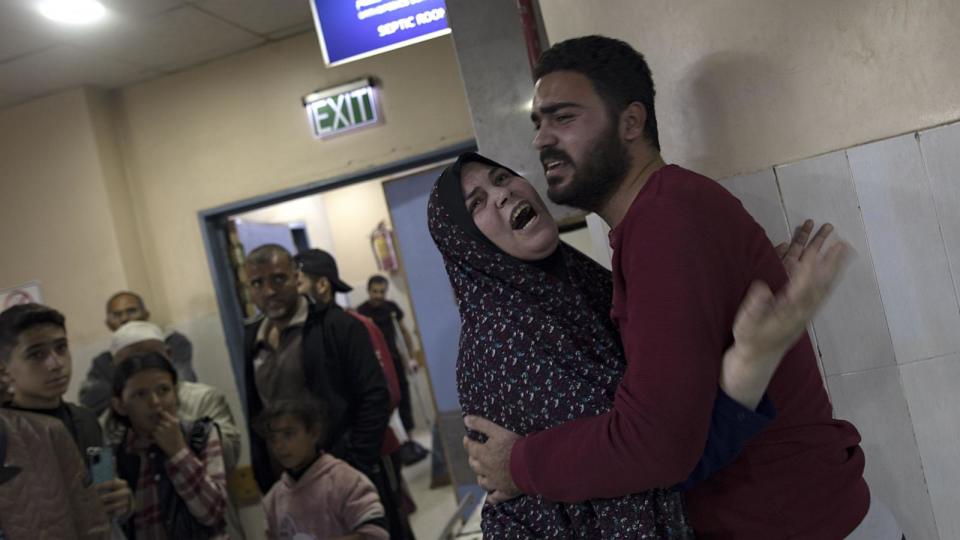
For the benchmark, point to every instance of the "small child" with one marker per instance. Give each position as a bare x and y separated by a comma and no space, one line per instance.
318,497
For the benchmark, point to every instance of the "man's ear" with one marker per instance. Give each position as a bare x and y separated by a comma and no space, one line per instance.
632,121
322,286
146,314
118,406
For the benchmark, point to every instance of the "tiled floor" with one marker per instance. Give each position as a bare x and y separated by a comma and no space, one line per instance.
435,507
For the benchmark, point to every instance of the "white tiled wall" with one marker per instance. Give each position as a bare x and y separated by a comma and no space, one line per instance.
907,248
851,330
761,197
759,194
890,336
873,401
940,148
931,390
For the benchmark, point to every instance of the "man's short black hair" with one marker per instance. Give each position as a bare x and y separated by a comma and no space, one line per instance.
264,254
310,412
137,363
377,279
18,318
620,75
132,294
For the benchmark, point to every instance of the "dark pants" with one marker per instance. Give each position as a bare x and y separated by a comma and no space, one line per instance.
405,408
387,480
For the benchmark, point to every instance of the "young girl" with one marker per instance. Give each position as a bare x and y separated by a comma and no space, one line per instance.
176,467
318,496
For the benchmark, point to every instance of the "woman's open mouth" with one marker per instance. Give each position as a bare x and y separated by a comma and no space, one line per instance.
523,213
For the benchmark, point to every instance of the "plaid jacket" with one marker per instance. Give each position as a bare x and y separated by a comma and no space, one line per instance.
199,480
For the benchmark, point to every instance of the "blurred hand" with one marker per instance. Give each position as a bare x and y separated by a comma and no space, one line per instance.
767,325
168,435
791,253
116,497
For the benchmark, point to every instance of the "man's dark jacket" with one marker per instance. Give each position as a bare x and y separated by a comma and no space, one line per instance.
342,371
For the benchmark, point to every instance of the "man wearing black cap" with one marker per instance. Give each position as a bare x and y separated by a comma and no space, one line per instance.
298,349
319,280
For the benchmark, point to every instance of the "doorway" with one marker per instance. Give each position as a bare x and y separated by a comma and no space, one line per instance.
348,217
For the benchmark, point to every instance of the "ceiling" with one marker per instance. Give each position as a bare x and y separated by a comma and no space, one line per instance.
139,40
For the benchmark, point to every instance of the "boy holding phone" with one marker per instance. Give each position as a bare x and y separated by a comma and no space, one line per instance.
43,487
35,369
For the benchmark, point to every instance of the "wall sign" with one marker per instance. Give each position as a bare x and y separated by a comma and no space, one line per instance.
353,29
24,294
343,108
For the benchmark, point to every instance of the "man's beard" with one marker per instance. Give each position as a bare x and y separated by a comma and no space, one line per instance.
596,179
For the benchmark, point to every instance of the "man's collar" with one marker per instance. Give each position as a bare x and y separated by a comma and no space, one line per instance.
299,318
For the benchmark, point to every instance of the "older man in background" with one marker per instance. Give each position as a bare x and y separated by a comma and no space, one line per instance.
123,307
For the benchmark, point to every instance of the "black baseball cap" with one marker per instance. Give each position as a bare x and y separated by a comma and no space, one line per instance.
319,263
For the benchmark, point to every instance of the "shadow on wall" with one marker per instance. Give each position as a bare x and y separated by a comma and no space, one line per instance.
729,109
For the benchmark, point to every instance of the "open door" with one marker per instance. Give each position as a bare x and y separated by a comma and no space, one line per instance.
437,316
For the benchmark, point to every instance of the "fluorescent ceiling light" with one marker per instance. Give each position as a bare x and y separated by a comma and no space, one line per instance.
72,11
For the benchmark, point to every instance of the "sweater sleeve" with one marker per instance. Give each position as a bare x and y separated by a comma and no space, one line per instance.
675,326
362,511
200,481
731,426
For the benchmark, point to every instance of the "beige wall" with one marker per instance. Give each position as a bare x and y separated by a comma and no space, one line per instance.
357,210
56,224
745,84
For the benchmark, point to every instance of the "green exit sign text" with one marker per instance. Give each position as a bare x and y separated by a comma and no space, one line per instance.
343,108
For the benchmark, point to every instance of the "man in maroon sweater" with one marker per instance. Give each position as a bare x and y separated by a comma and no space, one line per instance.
685,254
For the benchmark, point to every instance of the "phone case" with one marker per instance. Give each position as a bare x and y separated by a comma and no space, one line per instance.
101,463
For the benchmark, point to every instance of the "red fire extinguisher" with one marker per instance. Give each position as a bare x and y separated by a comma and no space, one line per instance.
381,240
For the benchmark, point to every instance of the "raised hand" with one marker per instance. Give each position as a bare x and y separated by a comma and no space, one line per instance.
768,325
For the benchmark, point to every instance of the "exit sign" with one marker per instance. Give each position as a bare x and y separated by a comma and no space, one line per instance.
341,109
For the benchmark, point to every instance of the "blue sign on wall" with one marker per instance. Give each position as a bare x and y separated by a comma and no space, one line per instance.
354,29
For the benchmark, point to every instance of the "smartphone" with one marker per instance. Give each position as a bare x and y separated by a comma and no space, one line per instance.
100,459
